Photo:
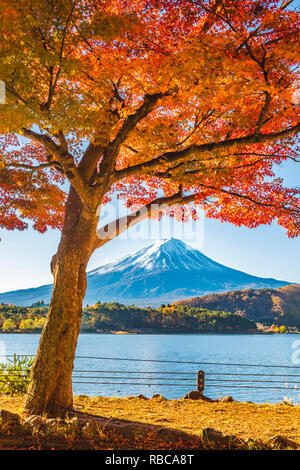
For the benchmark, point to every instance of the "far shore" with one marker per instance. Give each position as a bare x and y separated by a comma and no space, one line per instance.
156,332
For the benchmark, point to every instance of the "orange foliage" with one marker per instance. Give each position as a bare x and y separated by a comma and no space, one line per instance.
178,97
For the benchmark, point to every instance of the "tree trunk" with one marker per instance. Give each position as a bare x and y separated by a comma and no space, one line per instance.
50,389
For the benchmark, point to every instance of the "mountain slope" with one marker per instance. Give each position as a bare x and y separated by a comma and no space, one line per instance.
278,306
162,272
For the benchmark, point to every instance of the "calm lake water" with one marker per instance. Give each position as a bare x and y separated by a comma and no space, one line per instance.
100,375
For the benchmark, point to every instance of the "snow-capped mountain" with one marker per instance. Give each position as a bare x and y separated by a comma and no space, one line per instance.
162,272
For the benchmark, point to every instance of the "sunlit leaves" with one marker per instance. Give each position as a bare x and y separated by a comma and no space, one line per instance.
85,67
27,195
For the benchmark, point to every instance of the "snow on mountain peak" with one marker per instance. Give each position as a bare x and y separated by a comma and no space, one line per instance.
166,245
162,255
163,271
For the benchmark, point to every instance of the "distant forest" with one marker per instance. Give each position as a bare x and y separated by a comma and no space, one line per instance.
112,316
267,306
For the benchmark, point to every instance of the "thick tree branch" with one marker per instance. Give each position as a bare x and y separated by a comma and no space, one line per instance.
93,153
264,158
211,18
264,109
112,150
33,168
115,228
89,161
194,151
65,159
286,4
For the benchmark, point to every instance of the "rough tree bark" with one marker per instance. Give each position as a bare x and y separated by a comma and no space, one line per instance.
50,390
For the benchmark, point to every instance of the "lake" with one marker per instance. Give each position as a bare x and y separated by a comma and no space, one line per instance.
94,374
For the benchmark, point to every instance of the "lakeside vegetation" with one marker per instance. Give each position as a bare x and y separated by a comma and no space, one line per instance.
112,316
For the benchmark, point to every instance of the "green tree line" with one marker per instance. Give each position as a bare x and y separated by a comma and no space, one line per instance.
113,316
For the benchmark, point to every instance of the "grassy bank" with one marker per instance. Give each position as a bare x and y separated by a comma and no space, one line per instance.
244,420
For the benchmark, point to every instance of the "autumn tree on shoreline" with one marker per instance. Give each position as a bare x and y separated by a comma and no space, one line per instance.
162,102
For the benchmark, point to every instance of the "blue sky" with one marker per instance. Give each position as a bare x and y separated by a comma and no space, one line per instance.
265,251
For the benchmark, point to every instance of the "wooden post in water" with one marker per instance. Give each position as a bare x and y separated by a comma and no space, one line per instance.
200,381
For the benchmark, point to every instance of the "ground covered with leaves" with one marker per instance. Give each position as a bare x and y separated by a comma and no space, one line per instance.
243,419
249,422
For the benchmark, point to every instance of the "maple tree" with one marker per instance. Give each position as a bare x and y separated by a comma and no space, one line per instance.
167,104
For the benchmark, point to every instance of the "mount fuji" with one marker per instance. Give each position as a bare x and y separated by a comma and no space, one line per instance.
162,272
